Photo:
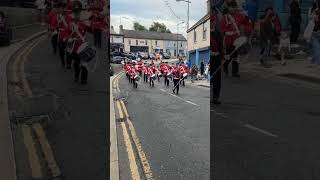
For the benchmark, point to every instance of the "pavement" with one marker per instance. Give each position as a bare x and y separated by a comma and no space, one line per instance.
7,156
169,135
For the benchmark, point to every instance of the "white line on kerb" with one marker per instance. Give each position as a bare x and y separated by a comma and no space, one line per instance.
260,130
179,98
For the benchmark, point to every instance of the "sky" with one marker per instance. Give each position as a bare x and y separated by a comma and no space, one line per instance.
147,11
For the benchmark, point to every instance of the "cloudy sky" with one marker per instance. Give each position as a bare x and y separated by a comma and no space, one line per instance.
147,11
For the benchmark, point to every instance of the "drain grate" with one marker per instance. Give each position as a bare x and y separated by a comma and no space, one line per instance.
301,77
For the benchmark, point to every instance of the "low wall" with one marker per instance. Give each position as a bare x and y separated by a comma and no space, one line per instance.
20,16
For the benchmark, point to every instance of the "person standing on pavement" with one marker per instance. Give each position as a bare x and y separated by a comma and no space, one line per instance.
176,78
231,32
194,72
295,20
201,68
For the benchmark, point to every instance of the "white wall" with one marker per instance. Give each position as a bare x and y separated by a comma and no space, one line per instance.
200,43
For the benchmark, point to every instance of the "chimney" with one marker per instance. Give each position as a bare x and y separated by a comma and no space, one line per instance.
121,29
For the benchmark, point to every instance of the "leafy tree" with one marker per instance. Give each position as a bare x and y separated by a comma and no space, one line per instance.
139,27
159,27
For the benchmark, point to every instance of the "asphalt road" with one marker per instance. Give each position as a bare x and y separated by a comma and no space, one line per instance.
266,129
173,130
77,129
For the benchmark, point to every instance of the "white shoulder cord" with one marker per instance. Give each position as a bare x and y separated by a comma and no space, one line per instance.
61,18
76,30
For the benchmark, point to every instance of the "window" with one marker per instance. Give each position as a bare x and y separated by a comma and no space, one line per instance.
195,36
137,42
129,42
156,43
204,31
146,42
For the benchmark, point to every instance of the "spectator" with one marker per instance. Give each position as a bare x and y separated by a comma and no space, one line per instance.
309,29
295,20
194,72
284,47
201,68
207,72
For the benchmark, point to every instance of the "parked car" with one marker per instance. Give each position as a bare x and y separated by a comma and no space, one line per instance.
118,54
143,55
166,56
5,31
152,56
117,59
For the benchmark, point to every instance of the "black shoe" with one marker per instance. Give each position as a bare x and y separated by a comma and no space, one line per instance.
235,75
173,91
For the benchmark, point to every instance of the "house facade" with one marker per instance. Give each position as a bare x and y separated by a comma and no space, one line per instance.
199,41
116,41
146,41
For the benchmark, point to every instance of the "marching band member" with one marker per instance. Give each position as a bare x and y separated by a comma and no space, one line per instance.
145,72
77,38
63,19
183,69
98,23
166,71
176,79
52,29
231,32
158,72
140,66
133,75
150,74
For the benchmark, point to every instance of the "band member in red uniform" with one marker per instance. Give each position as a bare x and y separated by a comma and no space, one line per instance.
77,38
63,20
98,23
231,32
52,29
140,66
183,69
151,72
158,72
166,71
145,72
176,78
133,75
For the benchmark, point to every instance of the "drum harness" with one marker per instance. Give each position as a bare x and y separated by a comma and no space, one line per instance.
60,18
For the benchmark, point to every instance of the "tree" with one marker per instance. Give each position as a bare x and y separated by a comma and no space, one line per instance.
139,27
159,27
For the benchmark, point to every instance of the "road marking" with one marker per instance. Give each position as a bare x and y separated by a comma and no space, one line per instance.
32,153
179,98
124,109
25,84
47,151
132,159
119,110
142,155
260,130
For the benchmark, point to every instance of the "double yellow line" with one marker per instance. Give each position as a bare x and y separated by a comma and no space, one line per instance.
123,114
37,129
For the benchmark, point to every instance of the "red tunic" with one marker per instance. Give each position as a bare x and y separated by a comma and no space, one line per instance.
82,28
175,75
52,21
228,27
64,28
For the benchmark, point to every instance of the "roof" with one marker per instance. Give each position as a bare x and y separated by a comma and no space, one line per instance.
201,21
152,35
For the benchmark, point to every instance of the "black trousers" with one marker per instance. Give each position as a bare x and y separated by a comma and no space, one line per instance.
62,52
158,78
54,43
151,82
295,31
79,68
145,77
182,82
135,84
166,81
176,85
215,80
235,64
97,37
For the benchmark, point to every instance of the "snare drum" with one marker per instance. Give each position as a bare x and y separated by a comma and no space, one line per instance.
86,53
169,75
153,77
184,75
160,75
136,77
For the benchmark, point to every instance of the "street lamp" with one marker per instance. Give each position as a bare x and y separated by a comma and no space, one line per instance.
188,10
182,22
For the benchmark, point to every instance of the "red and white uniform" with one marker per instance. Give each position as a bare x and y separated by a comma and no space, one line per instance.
64,21
52,21
176,75
183,69
166,70
145,70
150,72
229,29
81,28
